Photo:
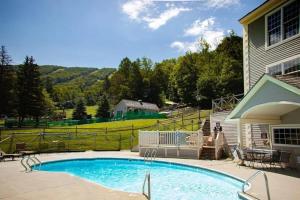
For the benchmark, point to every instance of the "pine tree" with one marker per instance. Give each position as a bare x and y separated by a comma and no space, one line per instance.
80,111
29,91
103,108
7,84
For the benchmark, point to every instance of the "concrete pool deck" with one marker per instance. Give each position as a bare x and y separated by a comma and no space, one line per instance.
16,184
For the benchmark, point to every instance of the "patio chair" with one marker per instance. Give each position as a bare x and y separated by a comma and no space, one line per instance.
284,158
242,156
4,155
21,148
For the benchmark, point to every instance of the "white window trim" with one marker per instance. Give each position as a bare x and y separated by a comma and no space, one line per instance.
283,126
281,63
282,41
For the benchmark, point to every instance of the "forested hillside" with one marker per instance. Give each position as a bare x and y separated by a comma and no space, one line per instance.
66,85
193,79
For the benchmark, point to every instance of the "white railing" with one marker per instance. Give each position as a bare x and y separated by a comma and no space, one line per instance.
226,103
170,138
219,144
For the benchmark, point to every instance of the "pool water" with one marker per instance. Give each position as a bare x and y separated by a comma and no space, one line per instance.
168,181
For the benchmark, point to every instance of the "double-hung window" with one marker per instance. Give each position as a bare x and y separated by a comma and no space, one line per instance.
283,23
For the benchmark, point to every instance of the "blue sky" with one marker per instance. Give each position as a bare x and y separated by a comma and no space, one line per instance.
99,33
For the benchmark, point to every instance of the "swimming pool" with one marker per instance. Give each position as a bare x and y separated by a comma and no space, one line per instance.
168,180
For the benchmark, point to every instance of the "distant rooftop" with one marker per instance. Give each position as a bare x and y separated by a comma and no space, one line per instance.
140,105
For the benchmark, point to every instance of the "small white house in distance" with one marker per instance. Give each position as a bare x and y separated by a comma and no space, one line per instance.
136,106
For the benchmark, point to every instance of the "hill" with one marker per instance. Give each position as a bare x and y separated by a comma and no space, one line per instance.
68,84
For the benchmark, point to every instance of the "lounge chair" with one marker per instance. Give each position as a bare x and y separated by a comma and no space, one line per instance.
21,148
4,155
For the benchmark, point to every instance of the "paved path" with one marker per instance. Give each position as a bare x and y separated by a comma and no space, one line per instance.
16,184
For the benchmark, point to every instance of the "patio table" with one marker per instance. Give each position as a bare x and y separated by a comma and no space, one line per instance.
259,155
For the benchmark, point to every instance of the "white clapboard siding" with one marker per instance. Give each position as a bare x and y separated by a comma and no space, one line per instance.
229,129
256,130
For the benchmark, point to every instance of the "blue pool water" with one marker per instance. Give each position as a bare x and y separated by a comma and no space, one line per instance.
168,181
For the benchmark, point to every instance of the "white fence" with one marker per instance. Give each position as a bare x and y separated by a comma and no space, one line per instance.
170,138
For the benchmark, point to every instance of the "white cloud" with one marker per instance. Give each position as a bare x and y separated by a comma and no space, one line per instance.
144,11
221,3
185,46
134,8
164,17
201,30
199,27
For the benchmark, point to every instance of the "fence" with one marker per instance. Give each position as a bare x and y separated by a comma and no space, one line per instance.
226,103
59,139
9,123
170,138
70,139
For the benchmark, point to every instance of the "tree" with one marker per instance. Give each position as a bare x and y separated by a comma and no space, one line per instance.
186,78
29,91
106,85
103,108
135,81
7,84
80,111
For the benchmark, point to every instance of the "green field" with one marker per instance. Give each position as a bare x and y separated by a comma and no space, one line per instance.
99,136
91,110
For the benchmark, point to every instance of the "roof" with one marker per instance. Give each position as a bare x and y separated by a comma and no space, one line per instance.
256,88
259,11
140,105
292,79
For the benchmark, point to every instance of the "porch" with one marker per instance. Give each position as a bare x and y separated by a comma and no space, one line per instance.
269,117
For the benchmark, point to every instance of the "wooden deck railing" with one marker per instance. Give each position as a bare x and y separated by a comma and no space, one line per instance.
226,103
170,138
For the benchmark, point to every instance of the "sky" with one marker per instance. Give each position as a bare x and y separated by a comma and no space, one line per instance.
100,33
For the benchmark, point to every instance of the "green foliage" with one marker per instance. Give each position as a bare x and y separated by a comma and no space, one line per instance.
186,76
29,86
103,108
80,111
7,84
69,84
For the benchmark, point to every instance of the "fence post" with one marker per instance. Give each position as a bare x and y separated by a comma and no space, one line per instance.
10,148
182,118
76,131
106,134
192,125
0,134
131,136
95,136
157,124
40,141
174,125
120,141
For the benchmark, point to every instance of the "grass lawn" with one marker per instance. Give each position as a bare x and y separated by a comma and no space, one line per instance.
91,110
114,135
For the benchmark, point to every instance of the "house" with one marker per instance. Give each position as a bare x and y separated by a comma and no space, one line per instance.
268,116
125,106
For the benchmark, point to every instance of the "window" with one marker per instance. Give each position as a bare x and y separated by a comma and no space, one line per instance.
274,28
287,136
275,70
283,23
291,66
286,67
291,19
